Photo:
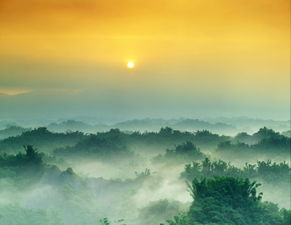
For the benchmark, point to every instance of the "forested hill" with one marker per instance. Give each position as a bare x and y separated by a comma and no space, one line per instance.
263,141
37,192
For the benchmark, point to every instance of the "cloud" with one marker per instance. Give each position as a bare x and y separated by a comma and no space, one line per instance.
63,91
19,91
14,92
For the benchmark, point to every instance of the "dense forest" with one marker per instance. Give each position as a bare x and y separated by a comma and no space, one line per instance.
169,176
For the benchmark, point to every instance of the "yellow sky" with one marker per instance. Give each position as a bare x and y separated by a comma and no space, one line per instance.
121,29
225,47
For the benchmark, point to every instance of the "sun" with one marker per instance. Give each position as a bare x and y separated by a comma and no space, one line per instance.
130,65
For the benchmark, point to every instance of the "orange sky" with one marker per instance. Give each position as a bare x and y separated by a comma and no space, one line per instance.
231,48
130,28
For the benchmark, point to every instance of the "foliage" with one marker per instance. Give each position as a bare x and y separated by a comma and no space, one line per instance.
106,221
264,141
230,201
188,149
179,220
222,194
224,200
24,167
160,210
266,171
101,145
12,131
42,139
181,153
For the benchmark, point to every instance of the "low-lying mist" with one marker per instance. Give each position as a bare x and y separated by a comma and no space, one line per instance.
130,178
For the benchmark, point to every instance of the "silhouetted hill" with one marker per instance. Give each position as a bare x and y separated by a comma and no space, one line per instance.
69,125
265,141
181,124
40,138
12,131
143,124
287,133
251,124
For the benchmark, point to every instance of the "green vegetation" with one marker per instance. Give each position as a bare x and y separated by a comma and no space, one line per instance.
230,201
181,153
12,131
265,141
74,178
188,149
267,171
102,147
24,168
42,139
159,210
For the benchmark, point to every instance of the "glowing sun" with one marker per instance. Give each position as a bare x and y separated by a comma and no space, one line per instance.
130,65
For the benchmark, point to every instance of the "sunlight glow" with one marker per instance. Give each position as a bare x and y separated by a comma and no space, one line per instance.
130,65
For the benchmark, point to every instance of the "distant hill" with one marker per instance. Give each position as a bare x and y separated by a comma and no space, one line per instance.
181,124
226,126
40,138
5,124
287,133
195,124
73,125
264,141
12,131
142,125
252,124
